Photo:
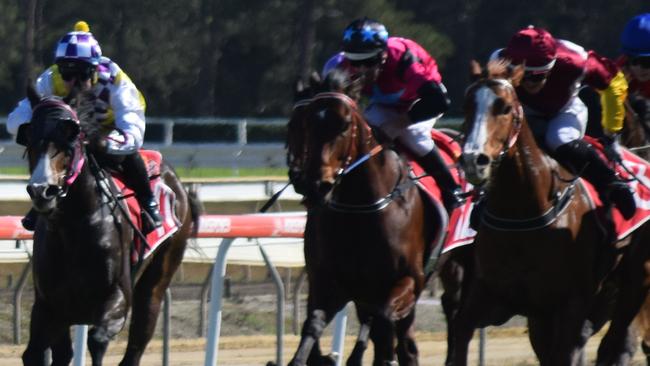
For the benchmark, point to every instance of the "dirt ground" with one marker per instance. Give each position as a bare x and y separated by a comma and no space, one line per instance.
507,347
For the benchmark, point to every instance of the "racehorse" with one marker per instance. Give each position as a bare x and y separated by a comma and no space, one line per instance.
82,241
369,231
540,250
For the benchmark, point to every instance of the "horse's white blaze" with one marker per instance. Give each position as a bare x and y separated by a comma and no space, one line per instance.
43,173
477,138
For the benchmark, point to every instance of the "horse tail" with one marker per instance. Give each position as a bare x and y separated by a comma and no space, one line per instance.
196,209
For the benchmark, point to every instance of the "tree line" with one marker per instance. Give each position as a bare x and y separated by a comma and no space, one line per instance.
241,58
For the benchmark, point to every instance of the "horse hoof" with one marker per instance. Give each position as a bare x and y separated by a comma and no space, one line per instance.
270,363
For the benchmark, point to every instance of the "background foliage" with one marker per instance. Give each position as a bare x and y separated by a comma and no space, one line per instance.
240,58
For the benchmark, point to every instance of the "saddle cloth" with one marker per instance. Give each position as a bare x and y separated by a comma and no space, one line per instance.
458,231
166,199
640,184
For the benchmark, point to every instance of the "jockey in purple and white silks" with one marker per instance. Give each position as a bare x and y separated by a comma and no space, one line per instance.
554,71
406,94
119,108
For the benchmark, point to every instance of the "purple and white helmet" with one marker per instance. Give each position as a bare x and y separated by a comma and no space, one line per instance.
79,45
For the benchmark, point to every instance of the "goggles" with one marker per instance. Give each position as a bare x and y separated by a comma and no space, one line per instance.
76,71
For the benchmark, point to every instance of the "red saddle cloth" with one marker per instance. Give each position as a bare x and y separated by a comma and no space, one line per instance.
458,231
638,175
166,199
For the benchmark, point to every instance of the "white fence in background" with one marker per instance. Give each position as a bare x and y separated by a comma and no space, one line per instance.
233,151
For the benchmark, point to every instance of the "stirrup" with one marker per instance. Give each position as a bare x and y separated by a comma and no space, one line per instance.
452,199
151,214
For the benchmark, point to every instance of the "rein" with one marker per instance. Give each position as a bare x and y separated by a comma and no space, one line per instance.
560,202
398,188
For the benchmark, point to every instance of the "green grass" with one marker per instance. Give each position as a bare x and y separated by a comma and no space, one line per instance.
193,173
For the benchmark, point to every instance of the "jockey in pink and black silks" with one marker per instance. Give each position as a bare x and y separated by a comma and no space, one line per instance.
406,94
119,108
555,70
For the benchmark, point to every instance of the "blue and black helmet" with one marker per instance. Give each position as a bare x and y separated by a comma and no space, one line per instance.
363,39
635,40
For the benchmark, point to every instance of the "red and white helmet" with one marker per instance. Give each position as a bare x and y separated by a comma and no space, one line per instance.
533,46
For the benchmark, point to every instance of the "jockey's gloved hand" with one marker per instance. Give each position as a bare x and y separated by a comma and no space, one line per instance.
120,143
611,146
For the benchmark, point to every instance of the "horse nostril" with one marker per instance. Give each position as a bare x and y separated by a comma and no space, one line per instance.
31,191
51,191
482,160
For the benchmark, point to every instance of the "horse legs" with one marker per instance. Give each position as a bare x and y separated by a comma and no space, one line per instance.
147,298
365,322
322,304
454,274
479,308
382,334
44,333
111,323
407,350
62,349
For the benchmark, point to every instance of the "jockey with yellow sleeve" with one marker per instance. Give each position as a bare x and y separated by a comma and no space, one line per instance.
554,72
119,108
406,94
635,64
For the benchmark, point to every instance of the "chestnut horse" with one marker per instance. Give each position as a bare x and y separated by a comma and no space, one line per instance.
82,242
540,251
370,231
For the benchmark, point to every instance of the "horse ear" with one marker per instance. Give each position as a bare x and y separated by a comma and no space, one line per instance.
32,95
475,71
516,75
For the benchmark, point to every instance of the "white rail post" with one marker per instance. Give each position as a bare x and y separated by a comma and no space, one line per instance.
80,338
214,317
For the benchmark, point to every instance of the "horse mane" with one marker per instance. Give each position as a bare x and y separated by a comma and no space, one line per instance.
83,102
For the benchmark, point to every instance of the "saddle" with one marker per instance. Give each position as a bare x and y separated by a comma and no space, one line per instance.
144,244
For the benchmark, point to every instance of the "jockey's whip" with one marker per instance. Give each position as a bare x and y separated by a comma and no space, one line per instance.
273,198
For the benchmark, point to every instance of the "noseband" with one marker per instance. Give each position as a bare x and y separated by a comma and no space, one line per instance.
349,165
78,156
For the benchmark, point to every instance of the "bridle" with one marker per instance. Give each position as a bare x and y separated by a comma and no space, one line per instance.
350,164
78,152
560,200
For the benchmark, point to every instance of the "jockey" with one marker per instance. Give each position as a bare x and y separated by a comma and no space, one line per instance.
119,109
554,72
406,94
635,64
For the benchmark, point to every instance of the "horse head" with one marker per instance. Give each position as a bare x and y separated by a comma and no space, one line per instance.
493,116
335,133
55,148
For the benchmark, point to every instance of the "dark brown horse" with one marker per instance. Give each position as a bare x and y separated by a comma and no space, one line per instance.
82,243
369,232
541,250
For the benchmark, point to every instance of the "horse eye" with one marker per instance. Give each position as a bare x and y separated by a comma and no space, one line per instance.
507,109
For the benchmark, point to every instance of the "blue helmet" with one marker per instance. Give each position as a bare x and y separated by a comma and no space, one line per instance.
635,40
364,39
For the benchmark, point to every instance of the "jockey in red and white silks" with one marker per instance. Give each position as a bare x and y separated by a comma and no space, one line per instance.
554,72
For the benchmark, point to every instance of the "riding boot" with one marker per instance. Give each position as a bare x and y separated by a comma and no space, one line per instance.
434,165
29,221
582,159
136,177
